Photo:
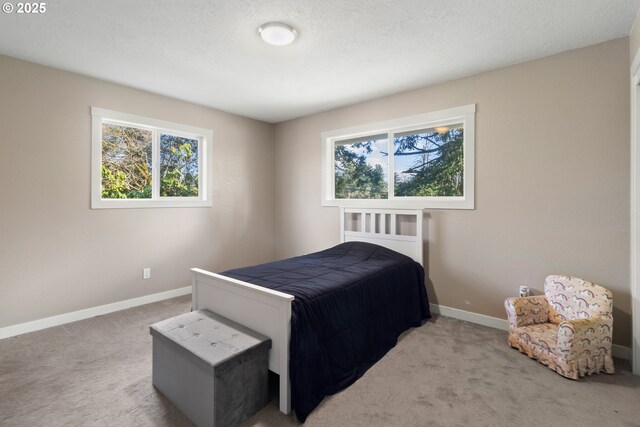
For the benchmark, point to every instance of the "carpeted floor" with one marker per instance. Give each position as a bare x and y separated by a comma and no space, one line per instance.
96,372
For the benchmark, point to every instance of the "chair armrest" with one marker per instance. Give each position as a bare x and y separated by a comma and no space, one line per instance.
523,311
591,335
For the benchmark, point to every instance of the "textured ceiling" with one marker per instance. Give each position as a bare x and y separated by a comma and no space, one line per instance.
209,52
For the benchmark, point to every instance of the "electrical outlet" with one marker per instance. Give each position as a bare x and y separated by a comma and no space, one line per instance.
146,273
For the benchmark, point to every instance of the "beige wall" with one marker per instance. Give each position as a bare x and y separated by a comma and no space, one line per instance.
57,255
552,180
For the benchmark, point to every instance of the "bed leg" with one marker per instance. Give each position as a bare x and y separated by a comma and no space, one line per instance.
285,393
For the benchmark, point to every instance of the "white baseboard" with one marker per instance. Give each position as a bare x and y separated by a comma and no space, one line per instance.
480,319
47,322
618,351
621,352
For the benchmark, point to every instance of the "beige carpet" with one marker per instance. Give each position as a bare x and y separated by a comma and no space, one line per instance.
447,373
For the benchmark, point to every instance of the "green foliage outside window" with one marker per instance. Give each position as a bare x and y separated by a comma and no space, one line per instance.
127,164
436,164
178,166
355,178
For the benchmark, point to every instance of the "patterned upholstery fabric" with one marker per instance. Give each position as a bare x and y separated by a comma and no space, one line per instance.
568,329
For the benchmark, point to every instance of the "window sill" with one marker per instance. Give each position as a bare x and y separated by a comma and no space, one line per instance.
143,204
440,203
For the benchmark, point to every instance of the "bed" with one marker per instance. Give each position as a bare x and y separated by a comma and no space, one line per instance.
364,261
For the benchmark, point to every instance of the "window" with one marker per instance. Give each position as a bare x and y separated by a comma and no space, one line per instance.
422,161
138,162
361,170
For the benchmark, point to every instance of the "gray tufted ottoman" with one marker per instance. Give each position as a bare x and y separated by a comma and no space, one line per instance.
213,369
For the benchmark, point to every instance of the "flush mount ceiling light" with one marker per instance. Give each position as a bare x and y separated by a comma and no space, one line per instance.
277,33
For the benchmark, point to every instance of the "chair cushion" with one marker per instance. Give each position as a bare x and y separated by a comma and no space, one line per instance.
542,337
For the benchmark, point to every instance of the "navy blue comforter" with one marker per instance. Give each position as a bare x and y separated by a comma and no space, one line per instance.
351,303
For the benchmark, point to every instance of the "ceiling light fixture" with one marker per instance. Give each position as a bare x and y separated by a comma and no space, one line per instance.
277,33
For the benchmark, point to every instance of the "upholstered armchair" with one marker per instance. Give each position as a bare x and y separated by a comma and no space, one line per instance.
568,328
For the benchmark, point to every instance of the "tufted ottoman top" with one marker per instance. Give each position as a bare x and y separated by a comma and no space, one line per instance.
210,337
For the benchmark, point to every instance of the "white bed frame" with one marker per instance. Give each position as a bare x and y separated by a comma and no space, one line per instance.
269,312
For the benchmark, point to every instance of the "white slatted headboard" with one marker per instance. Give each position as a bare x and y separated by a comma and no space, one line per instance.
396,229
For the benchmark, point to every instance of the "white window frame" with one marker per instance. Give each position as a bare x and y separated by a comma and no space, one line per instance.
464,114
205,175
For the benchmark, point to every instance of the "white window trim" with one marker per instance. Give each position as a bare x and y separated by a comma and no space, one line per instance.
464,114
205,173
